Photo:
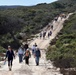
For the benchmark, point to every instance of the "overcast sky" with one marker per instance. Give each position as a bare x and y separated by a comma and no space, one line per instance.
24,2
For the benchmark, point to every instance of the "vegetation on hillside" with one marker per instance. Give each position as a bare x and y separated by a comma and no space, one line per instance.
29,20
63,53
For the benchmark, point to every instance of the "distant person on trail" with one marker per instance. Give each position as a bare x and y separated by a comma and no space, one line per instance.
35,45
27,55
56,18
50,33
37,56
52,27
34,48
40,35
44,34
62,16
20,54
48,27
25,47
10,55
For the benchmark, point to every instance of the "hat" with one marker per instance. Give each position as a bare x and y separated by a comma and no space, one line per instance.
27,49
21,45
9,46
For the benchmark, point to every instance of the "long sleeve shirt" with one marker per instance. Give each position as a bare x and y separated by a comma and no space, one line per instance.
10,55
20,51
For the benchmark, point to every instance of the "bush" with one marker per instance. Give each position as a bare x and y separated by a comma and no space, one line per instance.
2,50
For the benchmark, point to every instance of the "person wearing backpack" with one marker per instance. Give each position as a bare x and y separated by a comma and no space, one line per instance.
37,55
10,55
27,55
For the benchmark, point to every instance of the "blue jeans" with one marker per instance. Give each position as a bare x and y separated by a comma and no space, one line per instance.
37,60
33,51
20,58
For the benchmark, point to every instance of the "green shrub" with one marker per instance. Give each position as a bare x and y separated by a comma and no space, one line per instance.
2,50
63,54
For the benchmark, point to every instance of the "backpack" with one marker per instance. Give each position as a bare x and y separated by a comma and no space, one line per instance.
27,54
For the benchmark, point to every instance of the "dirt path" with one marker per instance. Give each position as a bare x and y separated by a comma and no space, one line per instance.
45,67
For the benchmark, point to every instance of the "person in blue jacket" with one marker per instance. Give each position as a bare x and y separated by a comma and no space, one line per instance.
10,55
37,55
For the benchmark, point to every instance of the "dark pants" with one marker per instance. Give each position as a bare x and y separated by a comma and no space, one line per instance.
10,62
37,60
27,60
20,58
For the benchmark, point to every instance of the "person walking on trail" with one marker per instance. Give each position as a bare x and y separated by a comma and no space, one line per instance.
37,56
52,27
35,45
25,47
48,34
27,55
20,54
40,35
56,18
10,55
44,34
33,49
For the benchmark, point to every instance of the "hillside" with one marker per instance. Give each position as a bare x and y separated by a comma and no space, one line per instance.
29,20
63,52
7,7
45,67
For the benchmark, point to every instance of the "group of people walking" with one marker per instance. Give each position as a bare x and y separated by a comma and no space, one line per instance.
24,53
43,34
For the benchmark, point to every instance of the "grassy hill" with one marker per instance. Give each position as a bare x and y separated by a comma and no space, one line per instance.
29,20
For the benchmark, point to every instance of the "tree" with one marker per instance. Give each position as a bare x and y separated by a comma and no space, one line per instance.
10,25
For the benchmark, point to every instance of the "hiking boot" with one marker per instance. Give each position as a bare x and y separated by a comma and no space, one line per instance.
9,69
37,64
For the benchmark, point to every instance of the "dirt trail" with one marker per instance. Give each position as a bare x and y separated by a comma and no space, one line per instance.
45,67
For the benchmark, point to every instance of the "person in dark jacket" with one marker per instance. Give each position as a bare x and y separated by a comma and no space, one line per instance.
40,35
10,55
48,34
26,47
37,55
44,34
35,45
